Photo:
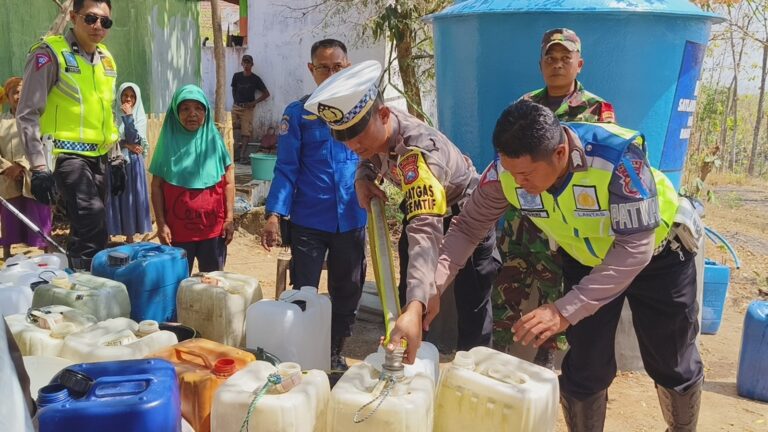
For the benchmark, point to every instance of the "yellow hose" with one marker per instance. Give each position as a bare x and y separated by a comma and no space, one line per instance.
383,265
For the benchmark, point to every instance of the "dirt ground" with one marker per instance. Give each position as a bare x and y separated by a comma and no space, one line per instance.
738,213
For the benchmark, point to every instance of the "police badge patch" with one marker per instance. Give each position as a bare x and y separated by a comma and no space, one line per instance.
42,59
409,168
329,113
70,62
284,125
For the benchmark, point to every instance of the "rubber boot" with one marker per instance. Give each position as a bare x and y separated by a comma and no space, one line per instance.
338,363
80,264
545,357
680,410
587,415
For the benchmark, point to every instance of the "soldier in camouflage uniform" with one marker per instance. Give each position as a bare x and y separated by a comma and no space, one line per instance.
529,263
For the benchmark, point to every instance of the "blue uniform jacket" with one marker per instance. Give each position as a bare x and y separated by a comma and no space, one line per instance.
314,179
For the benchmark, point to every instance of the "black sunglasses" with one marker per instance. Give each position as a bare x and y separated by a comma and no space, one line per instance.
91,19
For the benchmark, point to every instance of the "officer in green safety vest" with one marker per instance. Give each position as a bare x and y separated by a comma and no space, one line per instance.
65,111
528,263
623,233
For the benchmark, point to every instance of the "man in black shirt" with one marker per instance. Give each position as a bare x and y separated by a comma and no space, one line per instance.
245,84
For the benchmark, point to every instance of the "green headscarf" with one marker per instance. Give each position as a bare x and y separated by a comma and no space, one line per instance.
192,160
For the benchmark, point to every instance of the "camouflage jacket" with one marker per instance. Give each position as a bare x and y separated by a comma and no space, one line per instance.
580,106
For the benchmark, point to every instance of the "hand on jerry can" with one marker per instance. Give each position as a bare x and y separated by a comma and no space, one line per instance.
366,190
407,331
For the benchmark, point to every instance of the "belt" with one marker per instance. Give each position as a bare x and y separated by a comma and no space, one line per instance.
75,146
246,104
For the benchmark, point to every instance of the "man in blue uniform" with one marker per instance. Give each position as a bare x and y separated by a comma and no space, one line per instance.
314,186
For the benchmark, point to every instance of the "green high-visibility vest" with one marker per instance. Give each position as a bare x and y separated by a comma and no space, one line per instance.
579,218
78,113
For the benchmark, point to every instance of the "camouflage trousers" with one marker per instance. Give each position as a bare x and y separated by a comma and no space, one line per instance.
527,264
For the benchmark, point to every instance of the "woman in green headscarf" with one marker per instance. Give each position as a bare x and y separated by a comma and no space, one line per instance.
193,182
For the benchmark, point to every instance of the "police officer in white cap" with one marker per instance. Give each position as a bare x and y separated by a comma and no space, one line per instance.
436,179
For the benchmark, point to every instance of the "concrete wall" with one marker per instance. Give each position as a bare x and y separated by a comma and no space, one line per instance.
232,56
156,43
280,40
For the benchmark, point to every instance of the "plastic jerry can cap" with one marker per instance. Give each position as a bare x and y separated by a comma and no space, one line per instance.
148,327
224,367
77,383
118,259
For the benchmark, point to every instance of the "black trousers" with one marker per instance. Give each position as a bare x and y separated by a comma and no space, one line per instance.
81,183
211,254
665,315
472,289
346,269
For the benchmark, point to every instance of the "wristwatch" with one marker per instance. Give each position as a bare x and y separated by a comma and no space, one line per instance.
270,214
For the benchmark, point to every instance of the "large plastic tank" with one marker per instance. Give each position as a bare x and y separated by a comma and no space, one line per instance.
295,328
643,56
299,405
487,390
215,303
116,339
752,380
202,366
100,297
151,273
357,406
124,396
41,332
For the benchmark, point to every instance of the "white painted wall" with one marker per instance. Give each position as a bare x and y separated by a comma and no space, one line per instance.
173,65
232,58
280,44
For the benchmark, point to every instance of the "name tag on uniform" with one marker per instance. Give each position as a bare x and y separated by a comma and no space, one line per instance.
70,62
587,203
109,67
531,205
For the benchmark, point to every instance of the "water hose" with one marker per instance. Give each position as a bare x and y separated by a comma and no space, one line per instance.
383,265
717,238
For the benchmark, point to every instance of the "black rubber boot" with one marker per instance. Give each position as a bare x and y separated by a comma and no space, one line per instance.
545,357
338,363
587,415
680,410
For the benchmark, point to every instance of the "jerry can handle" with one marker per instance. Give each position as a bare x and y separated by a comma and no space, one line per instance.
132,385
149,250
181,352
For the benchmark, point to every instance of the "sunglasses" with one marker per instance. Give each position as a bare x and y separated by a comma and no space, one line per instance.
91,19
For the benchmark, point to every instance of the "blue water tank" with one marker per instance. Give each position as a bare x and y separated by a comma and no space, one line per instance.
643,56
151,272
752,380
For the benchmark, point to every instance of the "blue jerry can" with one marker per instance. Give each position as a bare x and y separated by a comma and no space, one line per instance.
752,381
716,280
151,272
120,396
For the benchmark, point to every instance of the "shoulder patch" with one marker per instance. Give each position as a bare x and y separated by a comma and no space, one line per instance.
284,125
409,167
607,114
627,178
490,175
424,195
41,60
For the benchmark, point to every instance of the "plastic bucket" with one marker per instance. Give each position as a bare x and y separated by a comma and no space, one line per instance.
262,166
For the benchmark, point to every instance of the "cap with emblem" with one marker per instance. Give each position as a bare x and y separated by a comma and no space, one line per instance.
345,99
563,36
